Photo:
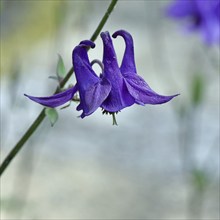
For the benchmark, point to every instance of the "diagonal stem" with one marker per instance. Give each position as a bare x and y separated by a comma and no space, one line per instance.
41,116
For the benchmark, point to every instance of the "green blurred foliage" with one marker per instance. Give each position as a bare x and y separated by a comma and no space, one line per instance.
197,89
23,24
200,179
11,204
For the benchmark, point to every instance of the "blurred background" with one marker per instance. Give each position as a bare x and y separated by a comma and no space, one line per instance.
160,162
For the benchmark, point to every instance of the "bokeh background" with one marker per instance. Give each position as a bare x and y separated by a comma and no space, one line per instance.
160,162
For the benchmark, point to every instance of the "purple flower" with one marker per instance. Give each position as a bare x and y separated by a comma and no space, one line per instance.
116,88
200,15
127,87
92,89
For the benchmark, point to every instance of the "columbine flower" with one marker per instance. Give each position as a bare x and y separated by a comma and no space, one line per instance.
201,15
92,89
127,87
116,88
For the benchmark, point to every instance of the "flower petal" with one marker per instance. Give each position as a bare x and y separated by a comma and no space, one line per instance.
92,89
142,93
128,62
109,57
210,30
181,8
83,69
55,100
87,44
119,97
93,97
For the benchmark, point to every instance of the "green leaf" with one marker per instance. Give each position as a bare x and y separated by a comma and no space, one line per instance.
61,71
52,115
197,89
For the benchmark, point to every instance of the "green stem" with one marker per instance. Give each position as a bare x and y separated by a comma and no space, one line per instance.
104,19
41,116
22,141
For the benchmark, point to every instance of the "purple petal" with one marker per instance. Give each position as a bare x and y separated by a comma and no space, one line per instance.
109,56
128,62
94,97
210,25
181,8
119,97
217,9
206,7
87,43
83,70
210,30
92,89
55,100
142,93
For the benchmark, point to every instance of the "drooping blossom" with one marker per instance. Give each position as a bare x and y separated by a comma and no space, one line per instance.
116,88
93,90
199,15
127,86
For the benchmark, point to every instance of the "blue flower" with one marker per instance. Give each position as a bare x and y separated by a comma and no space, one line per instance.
200,15
116,88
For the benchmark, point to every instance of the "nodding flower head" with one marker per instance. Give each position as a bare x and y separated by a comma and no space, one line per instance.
118,87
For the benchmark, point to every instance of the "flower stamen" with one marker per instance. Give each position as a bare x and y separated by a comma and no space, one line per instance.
114,121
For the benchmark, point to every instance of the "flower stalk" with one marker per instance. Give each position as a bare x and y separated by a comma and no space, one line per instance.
41,116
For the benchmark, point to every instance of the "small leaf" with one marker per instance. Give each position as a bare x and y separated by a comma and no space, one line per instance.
52,115
61,71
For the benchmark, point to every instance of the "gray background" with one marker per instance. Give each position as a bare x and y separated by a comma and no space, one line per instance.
87,168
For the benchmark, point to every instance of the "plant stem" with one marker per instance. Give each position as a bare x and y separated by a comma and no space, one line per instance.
41,116
22,141
104,19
